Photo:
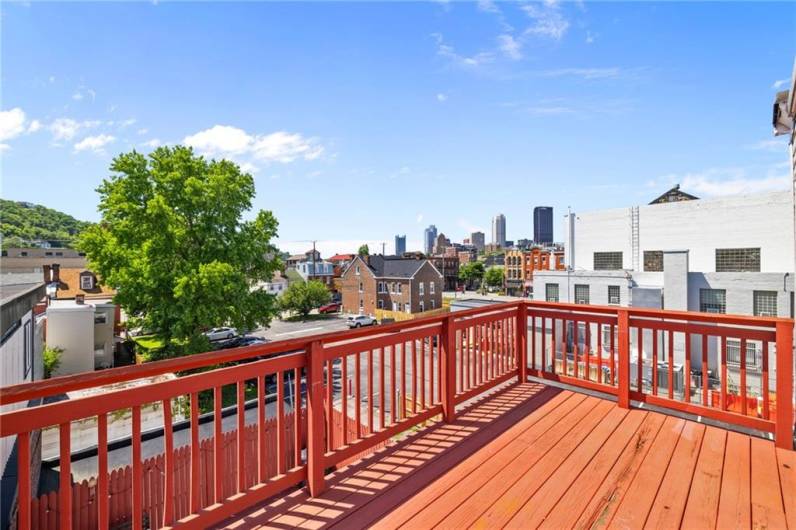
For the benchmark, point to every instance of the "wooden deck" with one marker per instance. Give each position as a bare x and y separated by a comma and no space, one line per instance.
531,456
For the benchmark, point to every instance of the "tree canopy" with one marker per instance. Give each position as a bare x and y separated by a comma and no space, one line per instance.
494,277
303,297
363,250
23,222
173,244
471,272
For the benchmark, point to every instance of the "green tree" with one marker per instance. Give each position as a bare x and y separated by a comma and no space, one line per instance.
471,272
303,297
173,244
363,250
493,277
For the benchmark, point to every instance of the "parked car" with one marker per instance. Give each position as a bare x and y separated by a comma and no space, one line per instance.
221,333
357,321
334,307
238,342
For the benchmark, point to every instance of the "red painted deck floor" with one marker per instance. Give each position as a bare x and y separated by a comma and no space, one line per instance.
532,456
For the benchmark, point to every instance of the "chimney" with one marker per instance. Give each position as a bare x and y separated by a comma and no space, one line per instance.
56,273
47,273
80,299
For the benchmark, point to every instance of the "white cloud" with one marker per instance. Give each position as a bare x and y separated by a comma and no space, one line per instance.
248,167
473,61
12,123
774,145
419,218
584,73
220,139
127,123
67,128
511,47
779,83
590,37
442,98
153,143
488,6
82,92
548,21
285,147
719,182
142,131
34,126
94,143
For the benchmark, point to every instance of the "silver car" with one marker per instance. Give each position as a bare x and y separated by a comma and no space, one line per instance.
357,321
221,333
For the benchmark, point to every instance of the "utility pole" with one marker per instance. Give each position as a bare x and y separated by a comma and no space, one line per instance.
383,244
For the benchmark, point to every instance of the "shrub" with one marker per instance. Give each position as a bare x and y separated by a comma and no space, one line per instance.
52,360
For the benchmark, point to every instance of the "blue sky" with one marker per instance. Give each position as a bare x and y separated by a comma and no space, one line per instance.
363,120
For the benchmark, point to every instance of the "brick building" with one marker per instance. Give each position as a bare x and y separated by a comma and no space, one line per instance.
448,266
392,283
521,264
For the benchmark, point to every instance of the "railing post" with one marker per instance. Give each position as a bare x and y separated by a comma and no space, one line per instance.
623,347
784,385
448,364
521,339
315,425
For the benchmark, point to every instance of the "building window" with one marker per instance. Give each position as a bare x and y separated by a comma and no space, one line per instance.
581,294
607,261
422,306
24,254
86,282
551,292
357,269
433,303
360,287
101,318
408,307
48,253
431,287
713,300
395,306
765,303
613,294
737,260
421,290
381,304
653,261
382,287
734,353
400,288
27,348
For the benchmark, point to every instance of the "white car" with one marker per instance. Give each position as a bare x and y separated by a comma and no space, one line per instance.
357,321
221,333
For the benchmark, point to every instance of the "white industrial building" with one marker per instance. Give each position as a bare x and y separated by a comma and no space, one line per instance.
726,255
84,331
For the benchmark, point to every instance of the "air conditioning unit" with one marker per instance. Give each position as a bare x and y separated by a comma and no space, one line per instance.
582,301
613,300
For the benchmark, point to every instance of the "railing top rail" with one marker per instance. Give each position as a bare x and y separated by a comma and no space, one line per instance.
62,384
667,314
31,418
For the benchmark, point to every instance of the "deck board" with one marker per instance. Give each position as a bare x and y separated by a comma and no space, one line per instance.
530,456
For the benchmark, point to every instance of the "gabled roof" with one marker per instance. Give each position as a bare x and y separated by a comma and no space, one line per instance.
342,257
394,267
69,285
674,195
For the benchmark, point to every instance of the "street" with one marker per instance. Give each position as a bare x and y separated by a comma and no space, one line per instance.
315,324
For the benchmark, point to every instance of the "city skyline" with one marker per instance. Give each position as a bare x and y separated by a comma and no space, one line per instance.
407,98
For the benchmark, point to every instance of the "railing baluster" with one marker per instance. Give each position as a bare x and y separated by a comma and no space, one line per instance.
447,355
705,370
195,471
358,387
687,370
764,390
640,367
600,378
723,391
564,333
575,348
587,348
281,455
612,347
102,471
382,393
297,417
523,332
168,464
743,377
543,358
403,381
241,438
370,391
65,472
554,344
623,332
393,411
670,366
654,361
138,471
23,493
344,398
414,376
329,406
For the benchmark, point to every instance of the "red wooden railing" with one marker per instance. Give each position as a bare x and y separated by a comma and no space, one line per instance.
391,378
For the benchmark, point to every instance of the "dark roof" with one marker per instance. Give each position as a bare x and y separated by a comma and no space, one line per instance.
674,195
394,267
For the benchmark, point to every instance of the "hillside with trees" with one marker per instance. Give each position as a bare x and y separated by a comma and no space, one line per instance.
23,222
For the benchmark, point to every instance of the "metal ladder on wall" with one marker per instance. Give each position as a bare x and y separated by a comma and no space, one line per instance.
634,237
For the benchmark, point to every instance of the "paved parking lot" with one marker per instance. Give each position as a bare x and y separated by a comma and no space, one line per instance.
316,324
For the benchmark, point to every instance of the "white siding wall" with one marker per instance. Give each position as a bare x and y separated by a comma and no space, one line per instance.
759,220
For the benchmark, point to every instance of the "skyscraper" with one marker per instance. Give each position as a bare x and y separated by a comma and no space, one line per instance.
499,230
429,238
478,240
543,224
400,245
